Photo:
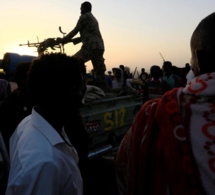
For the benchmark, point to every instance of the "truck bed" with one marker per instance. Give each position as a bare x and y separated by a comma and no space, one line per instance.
107,120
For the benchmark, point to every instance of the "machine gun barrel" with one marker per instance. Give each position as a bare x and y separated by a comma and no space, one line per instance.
30,44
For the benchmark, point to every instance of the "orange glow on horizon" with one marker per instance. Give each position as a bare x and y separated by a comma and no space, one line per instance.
24,50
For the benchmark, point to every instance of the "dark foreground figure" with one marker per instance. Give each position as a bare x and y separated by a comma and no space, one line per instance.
169,148
42,158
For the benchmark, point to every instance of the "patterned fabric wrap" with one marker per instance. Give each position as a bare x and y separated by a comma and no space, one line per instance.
169,149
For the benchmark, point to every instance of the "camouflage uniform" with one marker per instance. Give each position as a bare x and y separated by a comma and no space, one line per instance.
93,45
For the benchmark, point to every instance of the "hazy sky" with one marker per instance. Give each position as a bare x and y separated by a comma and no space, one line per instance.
135,32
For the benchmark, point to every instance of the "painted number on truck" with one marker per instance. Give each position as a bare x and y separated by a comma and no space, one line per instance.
114,119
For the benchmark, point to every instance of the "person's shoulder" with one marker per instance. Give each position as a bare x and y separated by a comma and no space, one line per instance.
25,123
149,104
171,94
33,146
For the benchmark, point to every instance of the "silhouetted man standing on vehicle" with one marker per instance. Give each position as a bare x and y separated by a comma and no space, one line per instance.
93,45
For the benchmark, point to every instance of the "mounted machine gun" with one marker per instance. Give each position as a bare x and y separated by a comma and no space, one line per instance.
52,43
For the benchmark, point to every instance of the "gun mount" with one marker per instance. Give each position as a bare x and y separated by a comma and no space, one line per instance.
44,45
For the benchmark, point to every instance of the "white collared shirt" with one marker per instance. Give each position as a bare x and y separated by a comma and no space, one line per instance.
41,162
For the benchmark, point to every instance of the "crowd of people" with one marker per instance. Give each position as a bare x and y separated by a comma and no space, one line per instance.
169,148
151,85
161,80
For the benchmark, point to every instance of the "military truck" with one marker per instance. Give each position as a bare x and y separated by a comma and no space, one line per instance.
106,120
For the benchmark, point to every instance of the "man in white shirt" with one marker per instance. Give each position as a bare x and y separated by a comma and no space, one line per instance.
43,161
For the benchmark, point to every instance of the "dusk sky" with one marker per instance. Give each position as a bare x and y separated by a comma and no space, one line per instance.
135,32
